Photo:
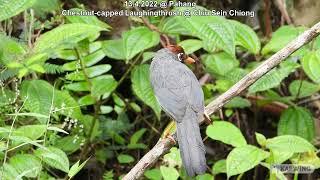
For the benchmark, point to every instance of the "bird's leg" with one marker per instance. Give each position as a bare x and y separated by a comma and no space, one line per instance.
171,138
167,133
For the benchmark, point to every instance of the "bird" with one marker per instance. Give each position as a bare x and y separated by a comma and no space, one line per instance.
179,94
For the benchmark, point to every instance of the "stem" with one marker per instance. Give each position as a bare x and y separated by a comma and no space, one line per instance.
10,133
31,28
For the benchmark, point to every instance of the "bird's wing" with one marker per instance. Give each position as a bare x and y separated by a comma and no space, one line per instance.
176,88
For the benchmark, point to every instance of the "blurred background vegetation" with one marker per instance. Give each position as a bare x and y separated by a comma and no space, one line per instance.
76,102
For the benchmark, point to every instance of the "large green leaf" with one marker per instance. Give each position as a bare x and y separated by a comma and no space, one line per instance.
38,95
311,65
10,49
43,7
190,45
153,174
78,86
91,20
219,167
142,87
214,30
169,173
171,25
289,143
218,129
246,37
274,77
31,131
64,36
12,8
26,165
220,63
88,61
132,43
90,72
302,88
297,121
244,158
280,38
102,85
54,157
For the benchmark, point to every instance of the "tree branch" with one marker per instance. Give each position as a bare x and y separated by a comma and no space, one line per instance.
163,145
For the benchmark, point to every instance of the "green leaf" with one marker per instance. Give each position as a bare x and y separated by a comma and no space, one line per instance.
246,37
106,109
170,25
311,65
88,61
132,43
10,49
142,87
190,45
137,135
37,68
289,143
114,49
54,157
69,144
169,173
274,77
238,102
38,95
280,38
218,129
220,63
147,56
153,174
78,86
302,88
261,139
279,157
31,131
91,20
205,176
244,158
64,36
173,158
219,167
76,168
12,8
297,121
44,7
214,30
26,165
91,72
6,97
102,85
86,100
125,158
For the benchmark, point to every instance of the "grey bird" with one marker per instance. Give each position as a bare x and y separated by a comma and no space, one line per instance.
179,93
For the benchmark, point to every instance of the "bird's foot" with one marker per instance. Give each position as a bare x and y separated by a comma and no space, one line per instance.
171,138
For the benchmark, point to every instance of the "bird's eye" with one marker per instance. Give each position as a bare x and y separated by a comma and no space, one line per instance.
180,55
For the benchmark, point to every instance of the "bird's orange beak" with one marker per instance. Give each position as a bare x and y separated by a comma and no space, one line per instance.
189,60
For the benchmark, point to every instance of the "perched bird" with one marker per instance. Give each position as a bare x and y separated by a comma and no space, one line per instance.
180,95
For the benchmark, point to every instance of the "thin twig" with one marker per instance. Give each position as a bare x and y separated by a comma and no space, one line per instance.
163,145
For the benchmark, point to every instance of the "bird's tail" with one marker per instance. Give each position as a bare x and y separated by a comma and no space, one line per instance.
190,144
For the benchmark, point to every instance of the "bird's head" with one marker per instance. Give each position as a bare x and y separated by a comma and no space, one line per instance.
182,56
